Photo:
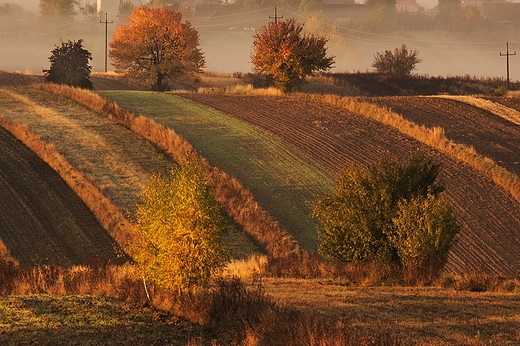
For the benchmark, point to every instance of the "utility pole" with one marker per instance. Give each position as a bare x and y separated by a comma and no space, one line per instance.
507,54
275,16
106,22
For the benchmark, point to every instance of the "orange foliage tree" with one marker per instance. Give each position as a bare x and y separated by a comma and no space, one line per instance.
156,45
281,50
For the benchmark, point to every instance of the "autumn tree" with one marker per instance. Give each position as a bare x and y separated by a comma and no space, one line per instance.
282,51
157,46
50,9
179,225
400,62
70,65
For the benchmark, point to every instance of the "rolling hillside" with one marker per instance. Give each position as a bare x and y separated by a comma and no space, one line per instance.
490,237
118,161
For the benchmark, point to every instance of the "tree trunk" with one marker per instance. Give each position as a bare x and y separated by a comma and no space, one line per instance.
159,85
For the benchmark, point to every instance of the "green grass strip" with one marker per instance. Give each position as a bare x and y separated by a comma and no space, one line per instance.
283,180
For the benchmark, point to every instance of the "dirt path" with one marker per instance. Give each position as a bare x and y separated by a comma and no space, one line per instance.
490,237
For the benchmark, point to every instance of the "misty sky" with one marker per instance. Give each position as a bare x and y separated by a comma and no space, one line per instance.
228,51
27,4
33,4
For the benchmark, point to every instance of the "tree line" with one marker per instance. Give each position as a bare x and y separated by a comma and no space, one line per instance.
157,46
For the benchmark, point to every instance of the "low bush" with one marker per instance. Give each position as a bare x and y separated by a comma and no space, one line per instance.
388,213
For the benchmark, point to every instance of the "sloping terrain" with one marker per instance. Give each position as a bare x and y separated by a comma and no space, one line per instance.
489,240
284,181
42,221
115,159
490,134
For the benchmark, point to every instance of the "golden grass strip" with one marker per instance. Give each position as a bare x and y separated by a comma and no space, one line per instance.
236,200
433,137
498,109
241,90
108,215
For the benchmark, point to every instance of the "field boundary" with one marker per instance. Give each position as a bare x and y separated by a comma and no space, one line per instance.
237,200
498,109
433,137
108,215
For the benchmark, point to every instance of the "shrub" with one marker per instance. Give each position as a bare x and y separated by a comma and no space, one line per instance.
70,65
375,210
424,230
399,63
179,225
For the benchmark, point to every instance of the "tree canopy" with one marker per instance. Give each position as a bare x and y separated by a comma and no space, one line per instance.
389,212
156,45
400,62
58,8
70,65
179,225
282,51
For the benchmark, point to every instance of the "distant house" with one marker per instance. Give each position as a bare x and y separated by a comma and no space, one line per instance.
409,6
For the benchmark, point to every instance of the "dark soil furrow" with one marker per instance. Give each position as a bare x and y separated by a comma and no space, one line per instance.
489,240
489,134
42,221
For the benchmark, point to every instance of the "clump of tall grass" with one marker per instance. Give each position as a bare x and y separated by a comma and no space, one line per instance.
247,268
220,80
433,137
480,282
247,89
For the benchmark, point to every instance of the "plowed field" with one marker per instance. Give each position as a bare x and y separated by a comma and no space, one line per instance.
42,221
488,133
115,159
489,240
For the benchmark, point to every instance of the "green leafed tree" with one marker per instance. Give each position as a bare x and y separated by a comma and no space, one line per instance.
179,226
157,46
50,9
70,65
401,62
282,51
357,222
424,228
125,8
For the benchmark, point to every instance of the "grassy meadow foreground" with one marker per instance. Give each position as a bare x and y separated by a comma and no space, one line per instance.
268,167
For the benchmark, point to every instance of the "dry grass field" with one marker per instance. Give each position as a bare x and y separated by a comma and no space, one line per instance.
419,315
